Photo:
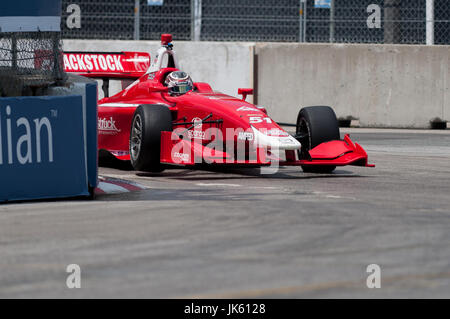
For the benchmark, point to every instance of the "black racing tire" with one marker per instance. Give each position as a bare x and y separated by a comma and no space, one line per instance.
145,144
317,125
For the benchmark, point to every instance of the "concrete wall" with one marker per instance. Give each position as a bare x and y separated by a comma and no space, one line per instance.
381,85
226,66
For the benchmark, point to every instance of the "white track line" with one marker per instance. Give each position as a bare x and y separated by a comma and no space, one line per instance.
109,188
227,185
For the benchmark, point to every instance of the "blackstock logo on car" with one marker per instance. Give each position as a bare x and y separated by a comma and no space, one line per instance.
108,125
21,149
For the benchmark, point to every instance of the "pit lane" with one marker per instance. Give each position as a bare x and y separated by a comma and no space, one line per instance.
239,234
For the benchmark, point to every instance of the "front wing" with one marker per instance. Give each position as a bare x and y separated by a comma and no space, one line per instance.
177,151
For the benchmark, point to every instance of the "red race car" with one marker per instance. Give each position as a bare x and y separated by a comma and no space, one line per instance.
164,118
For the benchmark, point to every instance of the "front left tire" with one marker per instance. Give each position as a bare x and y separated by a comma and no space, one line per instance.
145,137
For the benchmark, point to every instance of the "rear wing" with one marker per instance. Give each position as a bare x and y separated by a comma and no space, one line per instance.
105,65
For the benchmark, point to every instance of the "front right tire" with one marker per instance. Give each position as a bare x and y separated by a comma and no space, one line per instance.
317,125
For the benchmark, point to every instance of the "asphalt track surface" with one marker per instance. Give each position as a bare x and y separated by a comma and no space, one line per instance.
237,234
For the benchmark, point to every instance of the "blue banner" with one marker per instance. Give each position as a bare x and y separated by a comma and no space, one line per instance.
42,148
324,4
30,15
155,2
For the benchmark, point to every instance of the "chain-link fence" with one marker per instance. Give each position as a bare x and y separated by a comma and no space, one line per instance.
377,21
115,19
342,21
29,61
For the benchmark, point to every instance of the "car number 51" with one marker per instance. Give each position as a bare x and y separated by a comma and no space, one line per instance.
258,119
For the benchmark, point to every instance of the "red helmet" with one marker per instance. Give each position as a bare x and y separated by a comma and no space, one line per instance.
179,83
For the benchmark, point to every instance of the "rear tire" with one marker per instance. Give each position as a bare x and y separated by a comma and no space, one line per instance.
145,137
317,125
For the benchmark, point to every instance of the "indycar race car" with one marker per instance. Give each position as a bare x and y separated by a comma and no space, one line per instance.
164,118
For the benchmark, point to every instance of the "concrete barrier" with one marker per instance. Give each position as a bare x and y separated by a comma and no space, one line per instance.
226,66
403,86
381,85
87,89
48,144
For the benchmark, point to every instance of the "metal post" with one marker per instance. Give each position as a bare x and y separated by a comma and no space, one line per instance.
305,18
430,22
137,20
392,17
332,22
302,21
57,72
300,29
14,52
196,20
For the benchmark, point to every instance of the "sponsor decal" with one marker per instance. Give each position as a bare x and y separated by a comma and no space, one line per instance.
245,136
197,121
287,141
74,62
197,132
108,125
215,96
197,135
276,133
33,131
182,156
246,109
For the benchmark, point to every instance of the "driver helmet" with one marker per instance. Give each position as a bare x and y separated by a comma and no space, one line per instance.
179,83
